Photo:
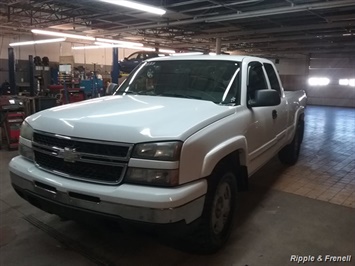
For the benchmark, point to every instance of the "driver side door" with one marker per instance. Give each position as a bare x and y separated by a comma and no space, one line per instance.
260,134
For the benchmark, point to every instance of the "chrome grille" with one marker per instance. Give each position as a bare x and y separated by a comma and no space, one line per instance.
85,146
82,159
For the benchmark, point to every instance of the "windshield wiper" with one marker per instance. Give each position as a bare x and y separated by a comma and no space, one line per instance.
139,92
180,95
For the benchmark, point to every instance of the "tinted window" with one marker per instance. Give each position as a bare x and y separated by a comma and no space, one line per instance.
133,56
256,79
274,82
211,80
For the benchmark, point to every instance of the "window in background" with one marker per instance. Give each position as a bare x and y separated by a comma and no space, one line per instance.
318,81
347,82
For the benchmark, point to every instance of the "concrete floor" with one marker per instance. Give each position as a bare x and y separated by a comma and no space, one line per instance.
307,209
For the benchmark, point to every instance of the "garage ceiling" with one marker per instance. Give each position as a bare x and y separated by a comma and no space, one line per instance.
273,28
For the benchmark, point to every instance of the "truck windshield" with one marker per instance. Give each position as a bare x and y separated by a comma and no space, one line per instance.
210,80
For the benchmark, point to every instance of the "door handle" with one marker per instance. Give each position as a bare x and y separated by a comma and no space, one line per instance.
274,114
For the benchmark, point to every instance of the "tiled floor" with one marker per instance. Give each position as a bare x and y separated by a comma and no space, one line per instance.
326,167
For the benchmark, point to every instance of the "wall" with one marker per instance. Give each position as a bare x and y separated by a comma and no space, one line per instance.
87,58
334,68
294,74
294,70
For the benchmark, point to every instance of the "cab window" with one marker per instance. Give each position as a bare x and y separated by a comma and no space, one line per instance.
274,82
134,56
256,79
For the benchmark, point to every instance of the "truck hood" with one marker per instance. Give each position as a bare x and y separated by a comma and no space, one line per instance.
130,119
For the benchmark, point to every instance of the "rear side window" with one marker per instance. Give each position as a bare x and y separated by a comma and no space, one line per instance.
274,82
256,79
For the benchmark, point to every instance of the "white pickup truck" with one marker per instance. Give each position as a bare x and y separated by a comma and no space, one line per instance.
173,145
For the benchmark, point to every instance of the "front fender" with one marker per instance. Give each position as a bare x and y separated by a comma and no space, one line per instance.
222,150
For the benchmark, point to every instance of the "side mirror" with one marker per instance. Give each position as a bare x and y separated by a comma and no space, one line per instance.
265,98
111,88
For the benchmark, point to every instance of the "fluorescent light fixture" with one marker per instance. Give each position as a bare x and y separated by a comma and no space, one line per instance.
37,42
61,34
189,53
120,45
147,49
104,44
318,81
118,42
168,51
352,82
100,45
136,5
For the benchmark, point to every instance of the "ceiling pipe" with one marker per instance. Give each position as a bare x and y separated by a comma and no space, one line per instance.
220,5
274,30
262,13
266,39
282,10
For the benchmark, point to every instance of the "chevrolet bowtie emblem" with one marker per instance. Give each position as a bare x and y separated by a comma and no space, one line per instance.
70,155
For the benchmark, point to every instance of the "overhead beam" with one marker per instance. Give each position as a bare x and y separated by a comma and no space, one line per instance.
277,30
282,10
246,15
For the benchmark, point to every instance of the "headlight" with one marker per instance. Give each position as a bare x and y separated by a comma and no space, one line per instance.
26,131
154,177
164,151
25,147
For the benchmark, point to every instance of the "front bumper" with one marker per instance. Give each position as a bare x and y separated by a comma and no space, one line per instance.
131,202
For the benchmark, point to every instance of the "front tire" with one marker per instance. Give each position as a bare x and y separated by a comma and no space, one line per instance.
215,225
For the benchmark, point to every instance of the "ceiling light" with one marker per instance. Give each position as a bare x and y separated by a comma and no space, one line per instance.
101,45
147,49
188,53
119,42
119,45
37,42
90,47
61,34
136,5
168,51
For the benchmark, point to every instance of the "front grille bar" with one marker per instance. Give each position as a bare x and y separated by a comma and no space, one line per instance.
65,141
80,156
78,159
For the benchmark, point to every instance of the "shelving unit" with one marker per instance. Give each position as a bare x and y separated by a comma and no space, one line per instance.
65,74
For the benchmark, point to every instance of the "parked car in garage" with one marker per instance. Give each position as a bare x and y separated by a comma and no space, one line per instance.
172,147
129,63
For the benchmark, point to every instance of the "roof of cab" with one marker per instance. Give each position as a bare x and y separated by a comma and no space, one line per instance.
238,58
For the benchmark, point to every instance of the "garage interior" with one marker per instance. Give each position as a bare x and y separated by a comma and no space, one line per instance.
305,210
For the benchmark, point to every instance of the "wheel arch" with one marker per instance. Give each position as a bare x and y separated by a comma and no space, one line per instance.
232,153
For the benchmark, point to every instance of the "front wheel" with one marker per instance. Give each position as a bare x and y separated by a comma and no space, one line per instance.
216,223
